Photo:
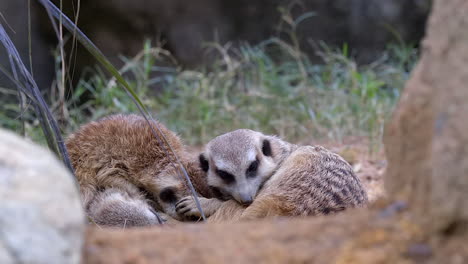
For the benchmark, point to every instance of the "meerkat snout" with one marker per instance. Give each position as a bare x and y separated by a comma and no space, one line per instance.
245,198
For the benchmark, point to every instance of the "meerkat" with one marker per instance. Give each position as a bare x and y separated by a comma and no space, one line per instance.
121,167
267,177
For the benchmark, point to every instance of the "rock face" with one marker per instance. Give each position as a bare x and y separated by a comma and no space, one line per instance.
426,141
41,219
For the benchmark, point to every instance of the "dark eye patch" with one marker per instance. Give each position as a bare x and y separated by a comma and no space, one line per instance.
266,148
203,163
226,176
252,169
168,195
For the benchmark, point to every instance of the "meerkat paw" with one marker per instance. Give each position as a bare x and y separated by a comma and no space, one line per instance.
187,207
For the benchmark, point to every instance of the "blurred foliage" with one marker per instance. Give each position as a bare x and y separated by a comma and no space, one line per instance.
271,87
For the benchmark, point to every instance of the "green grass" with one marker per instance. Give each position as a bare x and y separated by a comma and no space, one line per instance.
270,87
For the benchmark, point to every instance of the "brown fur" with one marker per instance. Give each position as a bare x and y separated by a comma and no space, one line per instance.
121,152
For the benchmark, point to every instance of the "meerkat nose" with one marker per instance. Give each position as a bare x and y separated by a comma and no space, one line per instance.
246,199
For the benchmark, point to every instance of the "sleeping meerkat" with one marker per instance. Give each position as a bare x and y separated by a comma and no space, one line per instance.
290,180
311,181
120,166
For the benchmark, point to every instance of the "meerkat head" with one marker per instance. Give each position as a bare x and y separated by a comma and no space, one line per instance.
170,189
239,162
171,186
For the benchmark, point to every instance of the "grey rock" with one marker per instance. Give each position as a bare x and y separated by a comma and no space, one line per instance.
41,218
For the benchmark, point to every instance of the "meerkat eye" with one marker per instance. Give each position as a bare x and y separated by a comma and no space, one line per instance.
168,195
252,169
226,176
266,147
203,163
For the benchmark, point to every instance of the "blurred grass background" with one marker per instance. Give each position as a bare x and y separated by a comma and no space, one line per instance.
271,87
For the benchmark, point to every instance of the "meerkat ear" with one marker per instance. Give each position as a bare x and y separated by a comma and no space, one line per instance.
266,147
204,165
